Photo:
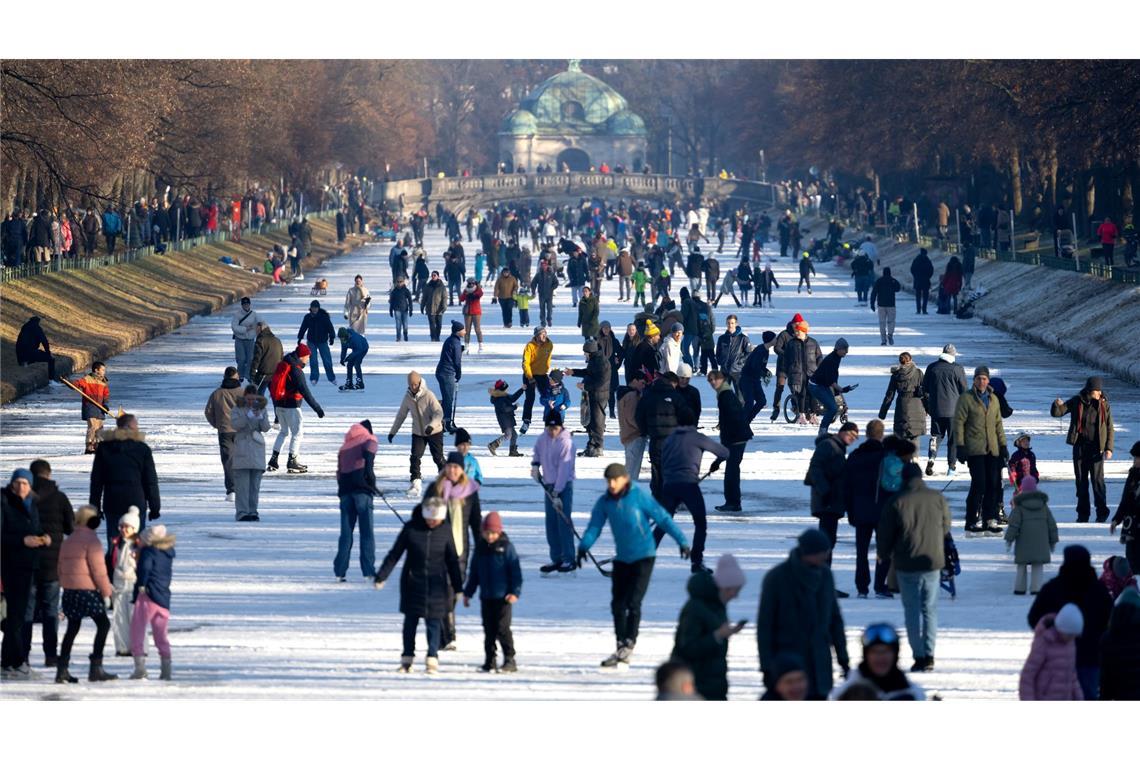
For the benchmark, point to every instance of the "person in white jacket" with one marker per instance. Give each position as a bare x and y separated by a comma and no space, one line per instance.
124,559
244,327
670,350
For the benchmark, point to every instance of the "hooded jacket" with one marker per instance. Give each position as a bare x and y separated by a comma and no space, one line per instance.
656,412
910,414
1076,582
913,528
588,315
862,497
1120,650
221,402
629,515
354,470
155,571
1032,529
427,414
495,570
315,328
734,426
825,476
430,571
57,519
123,475
30,339
248,450
1050,671
943,383
694,643
82,566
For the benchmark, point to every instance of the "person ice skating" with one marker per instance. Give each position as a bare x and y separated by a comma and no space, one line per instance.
218,407
732,348
448,371
911,535
1127,516
287,388
267,354
522,303
433,304
823,384
906,384
536,371
152,599
57,519
356,303
1091,436
595,387
880,668
883,300
921,273
97,393
639,278
863,498
588,313
86,593
764,282
755,375
980,436
542,286
825,477
1023,462
505,289
735,433
317,333
123,475
355,487
430,571
1050,671
1076,583
497,575
244,328
632,438
23,541
552,467
807,269
629,511
505,405
681,467
799,615
703,630
942,385
353,349
470,463
400,308
1120,650
427,428
1031,534
472,300
863,273
28,344
122,558
250,421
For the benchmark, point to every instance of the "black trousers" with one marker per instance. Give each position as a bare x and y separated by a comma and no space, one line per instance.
102,628
38,356
225,444
985,488
508,316
435,324
863,535
17,589
921,298
433,442
943,427
596,419
1088,464
497,627
829,524
656,446
732,495
630,582
690,495
540,385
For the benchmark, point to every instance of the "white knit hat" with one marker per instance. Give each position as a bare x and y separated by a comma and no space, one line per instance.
131,518
684,370
1069,620
434,509
728,573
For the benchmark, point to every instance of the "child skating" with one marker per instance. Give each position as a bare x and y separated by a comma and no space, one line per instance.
497,575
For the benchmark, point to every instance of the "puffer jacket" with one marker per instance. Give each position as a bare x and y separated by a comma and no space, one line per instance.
472,300
248,450
629,515
910,415
82,566
427,414
825,476
694,643
1032,529
978,428
432,565
734,427
731,351
862,496
656,413
505,405
1050,671
495,570
800,360
943,383
155,571
536,358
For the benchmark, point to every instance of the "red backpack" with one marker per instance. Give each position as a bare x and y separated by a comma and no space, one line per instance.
277,385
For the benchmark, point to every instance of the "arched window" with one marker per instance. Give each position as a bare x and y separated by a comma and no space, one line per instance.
572,110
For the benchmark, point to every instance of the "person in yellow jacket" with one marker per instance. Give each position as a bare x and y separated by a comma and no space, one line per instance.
536,371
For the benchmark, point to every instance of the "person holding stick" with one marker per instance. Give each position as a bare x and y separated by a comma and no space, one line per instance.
93,409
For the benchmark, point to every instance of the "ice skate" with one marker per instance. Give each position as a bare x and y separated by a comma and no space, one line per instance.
273,465
413,491
295,466
548,570
492,447
432,666
405,665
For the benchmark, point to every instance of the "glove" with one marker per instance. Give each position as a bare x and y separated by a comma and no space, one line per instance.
581,557
686,552
152,514
428,431
1004,452
320,414
961,459
536,474
391,437
848,389
716,465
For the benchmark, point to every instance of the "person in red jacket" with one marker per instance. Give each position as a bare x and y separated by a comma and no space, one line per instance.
471,298
94,385
1107,232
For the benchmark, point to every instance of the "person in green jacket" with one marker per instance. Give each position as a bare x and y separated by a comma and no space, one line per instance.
640,277
1031,534
980,436
588,313
703,630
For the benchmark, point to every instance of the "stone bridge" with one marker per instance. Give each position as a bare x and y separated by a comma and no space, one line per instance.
461,193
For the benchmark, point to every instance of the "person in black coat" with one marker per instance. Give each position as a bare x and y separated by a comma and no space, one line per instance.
1120,650
921,272
28,344
57,519
864,501
123,476
735,433
432,565
611,350
596,392
1127,516
656,417
1076,582
753,374
825,477
21,541
318,333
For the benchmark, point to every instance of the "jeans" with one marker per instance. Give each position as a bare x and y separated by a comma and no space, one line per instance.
496,615
546,311
559,528
690,495
886,323
247,489
985,488
321,348
353,361
863,535
920,607
448,394
690,350
623,287
401,324
433,628
754,397
453,290
435,325
506,304
225,443
1089,678
942,427
575,294
45,597
634,455
826,399
243,356
433,442
524,318
1088,464
291,428
732,473
921,299
354,507
629,583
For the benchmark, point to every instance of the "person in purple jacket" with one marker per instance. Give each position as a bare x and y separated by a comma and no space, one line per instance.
552,467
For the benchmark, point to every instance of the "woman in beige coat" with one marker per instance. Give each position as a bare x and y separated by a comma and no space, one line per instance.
356,306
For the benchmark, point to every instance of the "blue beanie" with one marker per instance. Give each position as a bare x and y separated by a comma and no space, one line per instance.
21,473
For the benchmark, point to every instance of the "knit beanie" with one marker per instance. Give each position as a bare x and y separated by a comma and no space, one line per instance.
1094,383
131,518
651,329
462,436
1028,484
841,345
728,573
456,326
1069,620
22,473
590,346
981,370
153,533
434,509
493,522
303,351
314,304
813,541
455,458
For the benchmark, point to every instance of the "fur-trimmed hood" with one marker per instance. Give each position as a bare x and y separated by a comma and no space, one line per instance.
123,434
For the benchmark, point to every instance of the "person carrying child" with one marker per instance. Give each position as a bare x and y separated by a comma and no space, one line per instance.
123,561
496,573
505,405
1031,534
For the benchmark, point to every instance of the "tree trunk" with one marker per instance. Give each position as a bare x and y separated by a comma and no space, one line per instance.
1052,166
1015,181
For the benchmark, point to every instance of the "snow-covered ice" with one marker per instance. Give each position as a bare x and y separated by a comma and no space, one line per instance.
257,612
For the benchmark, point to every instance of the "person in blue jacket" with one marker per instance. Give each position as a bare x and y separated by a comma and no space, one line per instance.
351,340
448,371
555,397
154,574
496,572
630,512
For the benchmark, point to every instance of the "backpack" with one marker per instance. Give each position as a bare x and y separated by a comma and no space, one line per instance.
278,385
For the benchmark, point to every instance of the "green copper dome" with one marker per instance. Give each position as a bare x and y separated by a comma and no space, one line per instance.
573,102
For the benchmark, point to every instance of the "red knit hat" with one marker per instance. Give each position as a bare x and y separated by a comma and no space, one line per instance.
500,385
492,522
798,318
303,350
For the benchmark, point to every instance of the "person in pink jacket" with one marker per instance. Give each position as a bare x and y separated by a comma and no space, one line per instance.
1050,671
86,593
472,300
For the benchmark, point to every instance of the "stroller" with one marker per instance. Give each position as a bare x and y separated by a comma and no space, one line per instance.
952,568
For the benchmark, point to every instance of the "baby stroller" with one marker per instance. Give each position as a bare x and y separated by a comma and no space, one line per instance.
952,568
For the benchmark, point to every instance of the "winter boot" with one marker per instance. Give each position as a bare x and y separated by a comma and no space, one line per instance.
929,467
432,666
140,669
347,386
164,673
273,465
359,385
413,491
405,664
488,664
525,427
516,453
96,673
61,673
492,447
294,466
509,666
549,569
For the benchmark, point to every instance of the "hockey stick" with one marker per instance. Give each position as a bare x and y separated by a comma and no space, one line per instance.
75,388
554,502
385,500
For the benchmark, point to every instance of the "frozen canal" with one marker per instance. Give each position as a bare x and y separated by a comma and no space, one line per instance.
256,611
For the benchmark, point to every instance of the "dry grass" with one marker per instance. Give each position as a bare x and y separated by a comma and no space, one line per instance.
91,315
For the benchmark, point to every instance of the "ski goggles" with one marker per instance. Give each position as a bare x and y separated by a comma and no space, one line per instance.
880,633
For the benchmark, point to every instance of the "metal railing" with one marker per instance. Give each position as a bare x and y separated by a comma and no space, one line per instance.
127,255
